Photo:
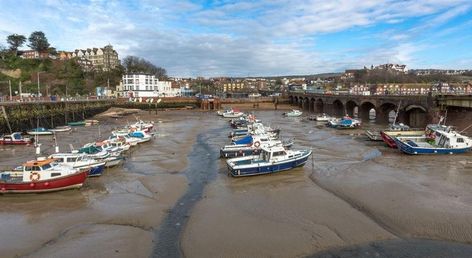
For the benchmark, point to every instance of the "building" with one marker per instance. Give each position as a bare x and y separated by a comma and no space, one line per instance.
33,54
392,67
104,59
64,55
145,85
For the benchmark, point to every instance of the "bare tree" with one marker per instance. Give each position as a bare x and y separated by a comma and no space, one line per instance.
133,64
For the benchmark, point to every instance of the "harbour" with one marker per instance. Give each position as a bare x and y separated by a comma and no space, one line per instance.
174,197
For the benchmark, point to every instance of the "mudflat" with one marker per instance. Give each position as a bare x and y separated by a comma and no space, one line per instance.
353,198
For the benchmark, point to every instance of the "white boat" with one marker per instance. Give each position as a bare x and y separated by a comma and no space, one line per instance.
142,136
39,131
132,141
64,128
233,114
446,141
322,118
293,113
270,160
113,161
80,161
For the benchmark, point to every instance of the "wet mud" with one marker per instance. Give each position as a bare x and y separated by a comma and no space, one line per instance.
174,198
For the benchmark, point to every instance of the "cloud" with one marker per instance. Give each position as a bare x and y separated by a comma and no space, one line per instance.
242,38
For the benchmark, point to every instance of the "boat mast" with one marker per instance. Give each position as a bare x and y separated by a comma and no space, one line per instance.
396,113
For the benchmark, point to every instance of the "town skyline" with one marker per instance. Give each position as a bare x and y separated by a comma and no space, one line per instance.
252,39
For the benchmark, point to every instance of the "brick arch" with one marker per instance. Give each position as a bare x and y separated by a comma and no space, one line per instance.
416,115
384,112
319,106
365,108
351,105
306,104
338,108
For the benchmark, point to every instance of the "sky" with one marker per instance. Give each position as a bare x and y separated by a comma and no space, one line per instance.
255,38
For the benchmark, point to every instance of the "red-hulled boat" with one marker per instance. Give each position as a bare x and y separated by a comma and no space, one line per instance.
43,175
15,139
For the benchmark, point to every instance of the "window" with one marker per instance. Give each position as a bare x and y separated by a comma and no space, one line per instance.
71,159
46,166
460,140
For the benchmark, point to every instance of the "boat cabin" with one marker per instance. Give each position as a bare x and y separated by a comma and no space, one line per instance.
452,139
273,154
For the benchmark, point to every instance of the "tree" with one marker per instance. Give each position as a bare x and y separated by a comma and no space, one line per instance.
38,41
15,41
133,64
3,52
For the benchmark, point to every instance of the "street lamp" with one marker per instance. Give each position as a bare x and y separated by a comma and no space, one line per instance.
38,80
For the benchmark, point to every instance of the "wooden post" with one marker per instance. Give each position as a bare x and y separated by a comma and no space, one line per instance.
6,118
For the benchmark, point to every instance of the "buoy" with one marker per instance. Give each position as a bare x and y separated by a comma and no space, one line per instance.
57,149
31,184
38,149
46,184
3,189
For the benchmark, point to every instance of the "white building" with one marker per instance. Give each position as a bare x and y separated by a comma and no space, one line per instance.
148,86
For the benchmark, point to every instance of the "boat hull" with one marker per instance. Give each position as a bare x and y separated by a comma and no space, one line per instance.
409,149
19,142
96,171
72,181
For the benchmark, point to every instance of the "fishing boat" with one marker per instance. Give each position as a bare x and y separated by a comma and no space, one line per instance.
323,118
64,128
445,142
39,131
80,161
375,135
77,123
141,136
345,122
251,145
293,113
270,160
93,151
15,139
140,125
132,141
42,175
113,161
233,114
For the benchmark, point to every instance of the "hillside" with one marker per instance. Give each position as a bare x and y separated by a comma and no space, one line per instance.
55,76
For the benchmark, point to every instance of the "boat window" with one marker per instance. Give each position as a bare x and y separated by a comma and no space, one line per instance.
442,140
55,174
28,168
460,140
35,168
71,159
279,153
46,166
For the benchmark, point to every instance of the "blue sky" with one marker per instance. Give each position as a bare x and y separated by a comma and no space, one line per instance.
256,38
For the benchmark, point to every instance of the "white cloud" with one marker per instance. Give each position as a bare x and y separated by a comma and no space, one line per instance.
234,38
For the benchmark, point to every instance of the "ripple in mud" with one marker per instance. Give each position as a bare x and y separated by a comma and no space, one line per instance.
412,248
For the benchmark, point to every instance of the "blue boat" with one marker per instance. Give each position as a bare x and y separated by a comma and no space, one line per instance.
344,123
443,142
270,160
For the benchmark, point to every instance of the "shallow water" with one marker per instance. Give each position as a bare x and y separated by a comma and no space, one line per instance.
173,197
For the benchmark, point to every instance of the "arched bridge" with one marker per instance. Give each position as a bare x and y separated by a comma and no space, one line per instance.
415,110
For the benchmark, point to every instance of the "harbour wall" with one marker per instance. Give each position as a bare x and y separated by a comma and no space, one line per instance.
22,116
